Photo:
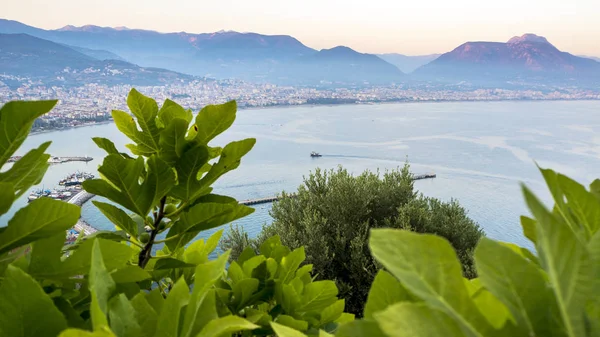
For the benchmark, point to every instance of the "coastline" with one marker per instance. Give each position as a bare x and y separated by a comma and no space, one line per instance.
313,105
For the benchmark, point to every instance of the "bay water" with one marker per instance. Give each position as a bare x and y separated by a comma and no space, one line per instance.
480,151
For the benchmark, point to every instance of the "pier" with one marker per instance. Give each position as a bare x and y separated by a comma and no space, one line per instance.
424,176
81,226
56,160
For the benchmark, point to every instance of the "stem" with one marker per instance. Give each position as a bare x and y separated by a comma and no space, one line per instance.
146,252
168,239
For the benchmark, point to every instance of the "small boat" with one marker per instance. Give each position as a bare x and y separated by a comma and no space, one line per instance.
315,154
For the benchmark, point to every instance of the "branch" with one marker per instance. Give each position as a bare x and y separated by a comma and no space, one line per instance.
146,253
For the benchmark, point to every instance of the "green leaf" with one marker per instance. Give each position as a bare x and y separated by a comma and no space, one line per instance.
171,110
25,310
145,110
204,311
145,315
242,292
108,146
172,140
267,247
284,331
290,263
583,204
156,300
115,255
291,322
318,295
16,119
226,325
566,263
118,217
41,218
124,187
27,171
189,188
169,317
213,120
519,284
7,197
201,217
46,255
230,159
427,267
104,332
171,263
595,188
416,319
385,291
332,312
360,328
130,274
101,287
122,317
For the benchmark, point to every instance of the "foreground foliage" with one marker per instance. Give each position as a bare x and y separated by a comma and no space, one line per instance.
332,212
130,282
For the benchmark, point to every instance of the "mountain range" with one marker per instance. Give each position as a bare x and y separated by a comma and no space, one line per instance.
23,55
529,59
282,59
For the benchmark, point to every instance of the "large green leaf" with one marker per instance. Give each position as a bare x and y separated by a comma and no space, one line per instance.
318,295
122,317
201,217
27,171
170,111
290,263
291,322
7,197
360,328
427,266
118,217
566,263
213,120
582,203
172,140
41,218
145,315
101,287
16,119
171,314
46,255
129,274
104,332
25,310
528,225
189,188
125,188
115,255
519,284
108,146
284,331
226,325
230,159
332,312
416,319
385,291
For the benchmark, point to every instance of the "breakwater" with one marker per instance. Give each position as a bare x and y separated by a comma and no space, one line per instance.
81,226
56,160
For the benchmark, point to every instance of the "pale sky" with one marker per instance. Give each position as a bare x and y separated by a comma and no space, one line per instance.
375,26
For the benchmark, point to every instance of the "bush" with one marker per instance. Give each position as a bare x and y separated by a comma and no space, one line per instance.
331,215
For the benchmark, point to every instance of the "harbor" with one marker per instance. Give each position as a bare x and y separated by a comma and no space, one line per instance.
56,160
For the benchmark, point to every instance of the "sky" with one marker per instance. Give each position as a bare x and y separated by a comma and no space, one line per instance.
413,27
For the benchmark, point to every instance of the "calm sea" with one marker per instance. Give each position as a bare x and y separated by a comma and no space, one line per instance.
481,152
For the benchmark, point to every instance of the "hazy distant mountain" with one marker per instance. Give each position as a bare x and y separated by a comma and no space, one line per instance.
597,59
341,65
23,55
98,54
224,54
525,58
407,63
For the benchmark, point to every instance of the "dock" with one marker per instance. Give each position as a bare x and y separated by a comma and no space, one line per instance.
424,176
56,160
81,226
269,200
